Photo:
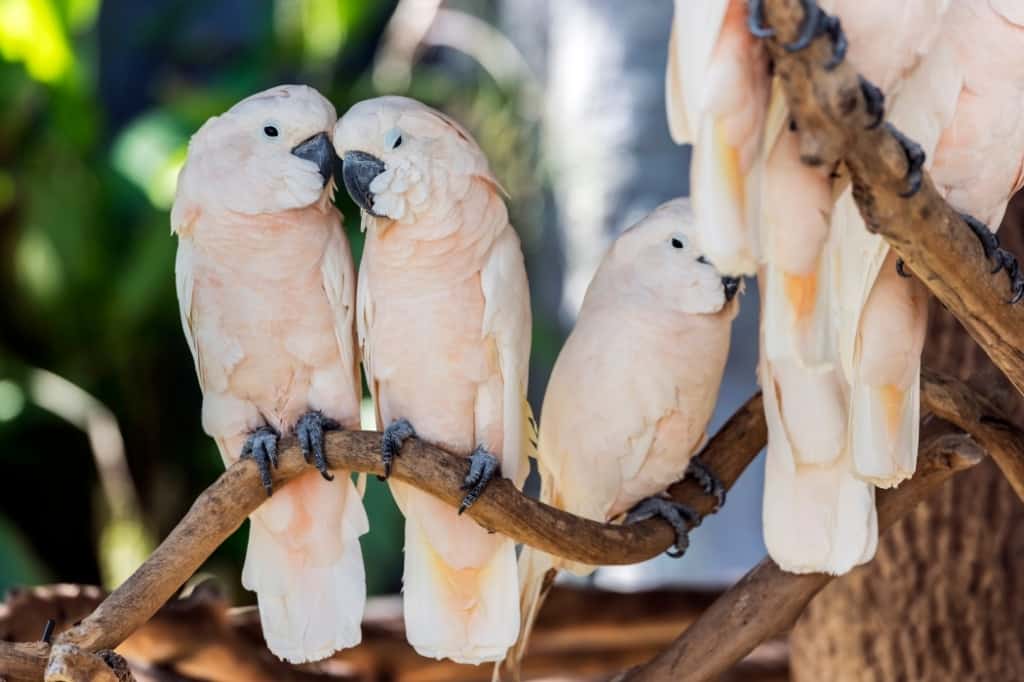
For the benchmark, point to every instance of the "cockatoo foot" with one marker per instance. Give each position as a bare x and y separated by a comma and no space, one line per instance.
915,161
1003,259
482,468
261,447
679,516
874,101
901,268
395,435
707,480
817,22
755,20
310,431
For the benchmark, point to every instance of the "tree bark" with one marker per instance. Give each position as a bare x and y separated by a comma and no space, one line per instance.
944,597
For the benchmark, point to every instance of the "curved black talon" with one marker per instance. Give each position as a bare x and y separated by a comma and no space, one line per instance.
1003,259
679,516
391,444
310,431
755,20
261,447
874,102
815,23
482,468
915,161
901,268
989,240
708,482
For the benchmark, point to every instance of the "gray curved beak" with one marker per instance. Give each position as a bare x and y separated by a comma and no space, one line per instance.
358,170
731,285
320,151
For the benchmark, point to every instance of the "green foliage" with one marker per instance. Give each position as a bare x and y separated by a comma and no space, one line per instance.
87,177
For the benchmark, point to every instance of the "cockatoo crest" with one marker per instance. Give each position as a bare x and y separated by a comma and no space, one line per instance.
658,260
248,159
415,155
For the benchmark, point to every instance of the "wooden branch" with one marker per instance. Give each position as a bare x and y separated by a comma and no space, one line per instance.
768,600
930,236
222,508
954,401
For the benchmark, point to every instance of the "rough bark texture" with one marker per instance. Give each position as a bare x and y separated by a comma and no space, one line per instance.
944,597
222,508
926,232
767,600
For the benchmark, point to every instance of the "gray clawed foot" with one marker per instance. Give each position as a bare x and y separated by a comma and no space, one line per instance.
708,482
901,268
817,22
679,516
310,431
482,468
755,20
395,435
915,161
1003,259
261,447
874,102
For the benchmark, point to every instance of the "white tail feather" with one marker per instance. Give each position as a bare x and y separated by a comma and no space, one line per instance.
725,202
884,431
469,615
305,564
818,516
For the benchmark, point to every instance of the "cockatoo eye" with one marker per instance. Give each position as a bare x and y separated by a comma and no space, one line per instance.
393,138
678,242
270,130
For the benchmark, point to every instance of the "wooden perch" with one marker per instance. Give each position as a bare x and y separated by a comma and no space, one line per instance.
222,508
930,236
768,600
954,401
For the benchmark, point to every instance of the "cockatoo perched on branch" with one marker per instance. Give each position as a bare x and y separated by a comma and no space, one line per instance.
841,331
633,389
444,326
266,288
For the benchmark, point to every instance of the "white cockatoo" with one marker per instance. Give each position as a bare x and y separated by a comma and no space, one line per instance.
841,417
633,388
266,288
444,326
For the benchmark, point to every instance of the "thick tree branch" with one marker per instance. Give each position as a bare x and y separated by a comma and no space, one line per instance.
954,401
930,236
222,508
768,600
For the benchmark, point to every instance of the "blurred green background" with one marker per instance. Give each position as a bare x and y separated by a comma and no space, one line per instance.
101,450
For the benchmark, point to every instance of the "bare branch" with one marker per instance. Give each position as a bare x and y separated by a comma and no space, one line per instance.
222,508
768,600
954,401
929,235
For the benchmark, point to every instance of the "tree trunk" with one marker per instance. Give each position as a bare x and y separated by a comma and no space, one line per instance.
944,598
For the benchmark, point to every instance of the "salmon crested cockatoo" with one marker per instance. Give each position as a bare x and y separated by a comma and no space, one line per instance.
815,279
266,288
444,326
633,388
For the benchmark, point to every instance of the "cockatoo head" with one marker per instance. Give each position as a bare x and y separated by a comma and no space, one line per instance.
403,161
657,260
270,152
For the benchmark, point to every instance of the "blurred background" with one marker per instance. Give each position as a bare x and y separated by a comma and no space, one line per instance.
100,442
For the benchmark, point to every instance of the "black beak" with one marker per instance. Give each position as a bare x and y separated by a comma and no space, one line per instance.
320,151
731,285
358,170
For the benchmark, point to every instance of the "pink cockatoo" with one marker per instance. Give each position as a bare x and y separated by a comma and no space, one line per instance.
633,388
832,434
266,288
444,326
